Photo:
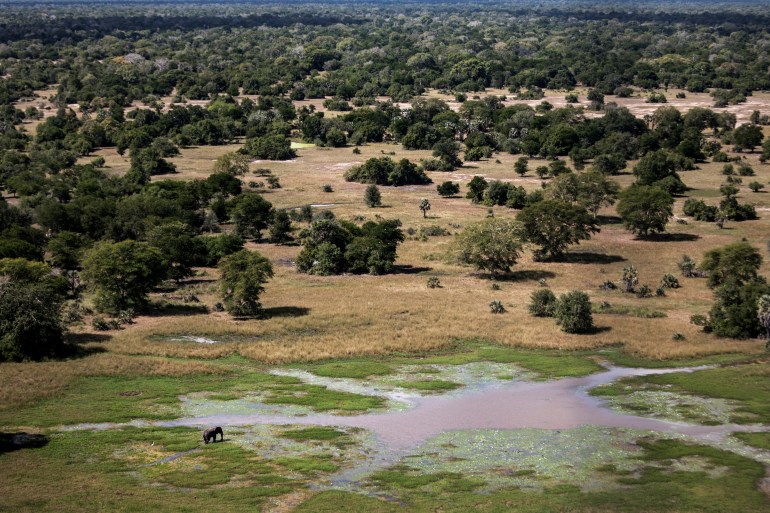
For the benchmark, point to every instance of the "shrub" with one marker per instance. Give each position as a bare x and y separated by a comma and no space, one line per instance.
644,291
434,282
496,307
756,186
543,303
327,188
372,196
573,312
448,189
669,281
678,337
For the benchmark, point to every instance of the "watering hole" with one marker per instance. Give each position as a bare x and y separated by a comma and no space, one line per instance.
556,405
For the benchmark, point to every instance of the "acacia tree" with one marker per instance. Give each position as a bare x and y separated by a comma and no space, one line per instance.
242,276
554,225
493,245
645,209
122,273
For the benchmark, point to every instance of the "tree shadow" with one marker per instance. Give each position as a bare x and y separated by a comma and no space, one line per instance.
158,310
410,269
524,275
670,237
74,342
589,258
10,442
596,330
603,219
286,311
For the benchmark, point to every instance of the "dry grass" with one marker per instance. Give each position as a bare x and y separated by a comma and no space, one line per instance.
321,317
355,315
21,383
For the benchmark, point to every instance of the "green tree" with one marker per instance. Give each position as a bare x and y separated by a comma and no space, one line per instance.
573,312
554,225
122,273
242,276
493,245
66,249
448,189
270,147
476,188
251,214
181,249
280,227
424,206
644,209
739,262
747,137
372,196
233,163
30,322
521,166
734,313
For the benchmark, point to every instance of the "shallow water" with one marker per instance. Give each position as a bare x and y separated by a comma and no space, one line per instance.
562,404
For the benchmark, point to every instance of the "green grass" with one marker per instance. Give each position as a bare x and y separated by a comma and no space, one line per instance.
352,369
633,311
749,385
322,399
624,359
549,364
658,486
313,433
122,399
429,385
114,470
758,440
309,464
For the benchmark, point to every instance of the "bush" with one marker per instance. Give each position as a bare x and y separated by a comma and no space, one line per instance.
496,307
270,147
543,303
447,189
327,188
669,281
434,282
372,196
30,322
573,312
756,186
644,291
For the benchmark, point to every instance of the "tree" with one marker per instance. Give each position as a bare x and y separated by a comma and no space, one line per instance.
657,166
590,190
30,322
447,151
476,188
269,147
573,312
66,249
251,214
645,209
280,227
554,225
763,315
543,303
609,163
734,313
181,249
747,137
122,273
448,189
493,245
233,163
739,262
372,196
521,166
424,206
242,276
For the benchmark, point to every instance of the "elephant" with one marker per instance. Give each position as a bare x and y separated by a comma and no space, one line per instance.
211,434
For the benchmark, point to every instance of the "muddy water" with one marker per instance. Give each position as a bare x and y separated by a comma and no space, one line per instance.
562,404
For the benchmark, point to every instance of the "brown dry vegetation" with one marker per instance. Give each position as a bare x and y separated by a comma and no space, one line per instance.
321,317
